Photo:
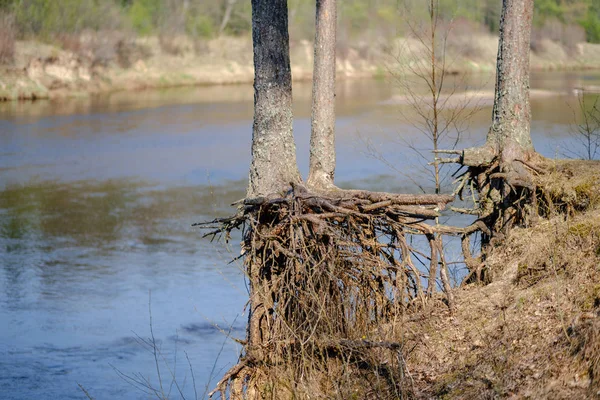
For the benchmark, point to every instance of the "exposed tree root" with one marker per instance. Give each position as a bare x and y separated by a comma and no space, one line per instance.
326,271
508,193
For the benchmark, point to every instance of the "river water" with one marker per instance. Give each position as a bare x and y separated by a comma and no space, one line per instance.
97,198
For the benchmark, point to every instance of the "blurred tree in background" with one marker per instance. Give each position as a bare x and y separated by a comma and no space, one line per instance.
591,22
358,19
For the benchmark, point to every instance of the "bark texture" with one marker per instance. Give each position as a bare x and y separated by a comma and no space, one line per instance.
509,136
322,139
273,165
511,116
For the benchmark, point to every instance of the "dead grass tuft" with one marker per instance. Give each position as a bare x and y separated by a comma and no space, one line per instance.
555,247
586,343
569,186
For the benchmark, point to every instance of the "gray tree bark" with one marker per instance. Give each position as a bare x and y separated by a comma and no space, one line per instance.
322,139
511,117
273,165
509,135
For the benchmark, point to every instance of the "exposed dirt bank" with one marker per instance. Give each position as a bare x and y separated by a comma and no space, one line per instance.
45,71
534,332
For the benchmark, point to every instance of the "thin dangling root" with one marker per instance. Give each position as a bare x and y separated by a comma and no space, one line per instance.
327,272
516,193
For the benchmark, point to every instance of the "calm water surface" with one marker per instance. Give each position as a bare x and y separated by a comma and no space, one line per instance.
96,201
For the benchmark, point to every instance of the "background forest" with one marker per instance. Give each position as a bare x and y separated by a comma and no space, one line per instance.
360,19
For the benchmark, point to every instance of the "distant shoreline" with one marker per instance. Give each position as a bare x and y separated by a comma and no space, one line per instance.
42,71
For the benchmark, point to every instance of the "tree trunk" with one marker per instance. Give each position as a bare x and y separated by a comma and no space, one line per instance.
511,117
509,135
507,193
322,139
273,165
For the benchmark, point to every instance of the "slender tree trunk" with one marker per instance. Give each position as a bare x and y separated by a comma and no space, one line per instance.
435,91
226,15
511,117
322,139
273,165
509,135
507,193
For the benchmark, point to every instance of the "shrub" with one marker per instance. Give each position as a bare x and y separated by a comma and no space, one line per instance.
572,36
48,18
70,42
199,26
591,25
145,15
170,44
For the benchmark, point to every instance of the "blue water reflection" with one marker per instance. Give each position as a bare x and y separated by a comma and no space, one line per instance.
97,197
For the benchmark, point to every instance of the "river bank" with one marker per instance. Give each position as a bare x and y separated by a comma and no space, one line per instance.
93,66
534,332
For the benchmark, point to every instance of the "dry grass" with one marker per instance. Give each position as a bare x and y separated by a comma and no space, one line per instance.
535,331
569,186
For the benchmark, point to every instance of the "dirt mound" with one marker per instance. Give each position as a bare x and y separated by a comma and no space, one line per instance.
534,332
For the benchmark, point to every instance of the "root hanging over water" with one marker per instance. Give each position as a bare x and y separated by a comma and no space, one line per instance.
516,193
332,276
335,276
